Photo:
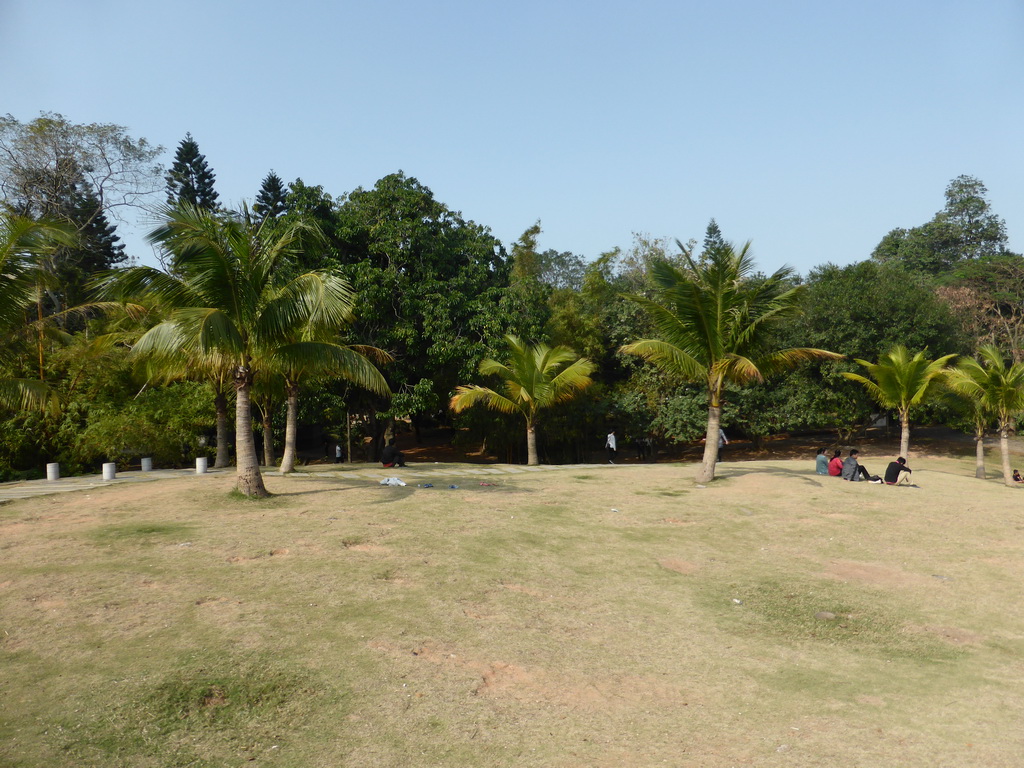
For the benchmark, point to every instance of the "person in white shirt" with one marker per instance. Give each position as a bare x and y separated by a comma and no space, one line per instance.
609,443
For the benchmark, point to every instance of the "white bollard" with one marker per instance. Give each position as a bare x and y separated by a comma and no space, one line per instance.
201,465
109,471
147,465
53,471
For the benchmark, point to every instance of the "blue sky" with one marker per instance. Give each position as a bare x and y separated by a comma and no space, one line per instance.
810,128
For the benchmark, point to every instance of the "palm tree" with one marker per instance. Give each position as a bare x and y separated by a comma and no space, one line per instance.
22,242
713,320
267,394
994,388
535,377
981,419
226,298
193,365
300,361
902,382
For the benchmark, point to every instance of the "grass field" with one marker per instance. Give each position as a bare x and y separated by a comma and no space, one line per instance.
604,616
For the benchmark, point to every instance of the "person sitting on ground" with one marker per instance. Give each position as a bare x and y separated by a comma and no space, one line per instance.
391,456
835,466
1016,477
852,470
821,462
893,472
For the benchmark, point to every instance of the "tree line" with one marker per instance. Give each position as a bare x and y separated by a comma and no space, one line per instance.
383,306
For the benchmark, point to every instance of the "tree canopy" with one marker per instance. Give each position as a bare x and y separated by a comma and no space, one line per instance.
966,229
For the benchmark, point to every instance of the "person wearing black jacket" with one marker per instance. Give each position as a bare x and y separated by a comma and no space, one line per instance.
391,456
893,472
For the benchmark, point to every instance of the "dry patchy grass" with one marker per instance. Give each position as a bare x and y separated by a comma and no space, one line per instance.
601,617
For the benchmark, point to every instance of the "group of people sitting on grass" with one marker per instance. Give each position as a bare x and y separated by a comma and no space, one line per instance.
851,469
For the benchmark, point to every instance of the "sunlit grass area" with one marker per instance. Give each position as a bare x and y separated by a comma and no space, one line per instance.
575,617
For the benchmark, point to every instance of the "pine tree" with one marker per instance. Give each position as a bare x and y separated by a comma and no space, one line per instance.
714,242
271,202
190,179
97,247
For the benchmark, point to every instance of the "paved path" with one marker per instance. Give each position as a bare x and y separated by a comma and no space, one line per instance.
412,475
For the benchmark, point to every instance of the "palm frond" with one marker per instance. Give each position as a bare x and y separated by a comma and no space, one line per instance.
873,389
782,360
669,358
901,381
322,358
28,395
468,396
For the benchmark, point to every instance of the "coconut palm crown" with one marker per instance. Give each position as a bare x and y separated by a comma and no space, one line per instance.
712,319
901,382
535,377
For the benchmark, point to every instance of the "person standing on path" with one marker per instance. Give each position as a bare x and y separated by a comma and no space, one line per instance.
610,444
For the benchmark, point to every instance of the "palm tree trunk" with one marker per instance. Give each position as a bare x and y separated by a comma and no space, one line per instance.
250,481
39,312
905,435
531,445
979,454
268,437
291,426
707,469
1004,448
223,459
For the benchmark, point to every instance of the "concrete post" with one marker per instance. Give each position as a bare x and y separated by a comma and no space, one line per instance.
53,471
201,465
147,464
109,470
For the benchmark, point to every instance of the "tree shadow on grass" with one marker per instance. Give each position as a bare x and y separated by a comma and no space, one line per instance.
314,491
796,474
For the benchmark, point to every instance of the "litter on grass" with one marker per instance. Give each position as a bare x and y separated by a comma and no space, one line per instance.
392,481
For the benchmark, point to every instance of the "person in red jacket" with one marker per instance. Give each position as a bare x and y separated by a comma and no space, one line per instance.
835,466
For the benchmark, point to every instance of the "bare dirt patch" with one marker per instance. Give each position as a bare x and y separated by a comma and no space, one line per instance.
525,591
955,635
680,566
374,549
872,573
